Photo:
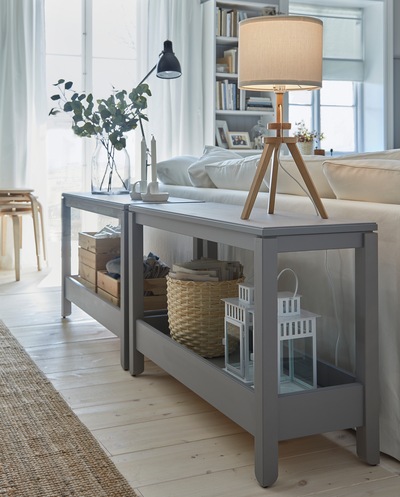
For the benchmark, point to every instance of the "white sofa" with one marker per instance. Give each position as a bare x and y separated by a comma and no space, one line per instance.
365,187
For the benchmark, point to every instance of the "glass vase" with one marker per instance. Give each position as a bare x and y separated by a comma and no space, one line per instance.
110,169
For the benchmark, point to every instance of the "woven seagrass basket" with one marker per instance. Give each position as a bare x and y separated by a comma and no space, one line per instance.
196,313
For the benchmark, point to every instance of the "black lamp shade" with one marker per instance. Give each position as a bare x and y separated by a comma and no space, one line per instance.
168,66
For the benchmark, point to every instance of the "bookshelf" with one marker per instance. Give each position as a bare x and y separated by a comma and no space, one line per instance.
224,101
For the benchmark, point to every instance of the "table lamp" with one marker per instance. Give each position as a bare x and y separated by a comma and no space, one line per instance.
168,67
280,54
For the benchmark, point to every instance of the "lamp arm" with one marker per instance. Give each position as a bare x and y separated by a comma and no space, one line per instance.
148,74
140,120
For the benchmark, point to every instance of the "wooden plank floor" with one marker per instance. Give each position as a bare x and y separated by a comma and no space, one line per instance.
167,441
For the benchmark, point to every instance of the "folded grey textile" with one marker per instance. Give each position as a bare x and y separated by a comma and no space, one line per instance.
152,267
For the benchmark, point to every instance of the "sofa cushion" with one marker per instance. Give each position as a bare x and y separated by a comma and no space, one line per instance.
369,180
288,171
393,153
211,155
235,174
175,171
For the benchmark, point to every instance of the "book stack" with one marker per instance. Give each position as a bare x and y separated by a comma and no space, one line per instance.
226,95
227,21
230,60
259,103
207,270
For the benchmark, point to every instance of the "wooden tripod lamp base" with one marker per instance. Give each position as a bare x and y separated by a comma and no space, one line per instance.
272,148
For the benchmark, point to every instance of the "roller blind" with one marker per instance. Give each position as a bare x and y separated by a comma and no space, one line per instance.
343,48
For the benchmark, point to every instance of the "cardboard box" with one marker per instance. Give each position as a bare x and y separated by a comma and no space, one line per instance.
99,245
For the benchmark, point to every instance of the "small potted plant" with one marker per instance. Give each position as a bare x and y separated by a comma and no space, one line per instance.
108,120
306,138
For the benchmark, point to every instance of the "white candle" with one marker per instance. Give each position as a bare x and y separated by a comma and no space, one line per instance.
153,160
143,172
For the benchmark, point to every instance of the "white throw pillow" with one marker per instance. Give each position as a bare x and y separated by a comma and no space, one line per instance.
369,180
286,184
211,155
235,174
175,171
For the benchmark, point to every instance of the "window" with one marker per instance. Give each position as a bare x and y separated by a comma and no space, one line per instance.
331,110
336,109
90,43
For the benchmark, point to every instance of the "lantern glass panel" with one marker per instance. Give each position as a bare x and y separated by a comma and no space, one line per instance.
297,365
233,347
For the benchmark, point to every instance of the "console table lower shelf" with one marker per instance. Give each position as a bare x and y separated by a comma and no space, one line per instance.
336,403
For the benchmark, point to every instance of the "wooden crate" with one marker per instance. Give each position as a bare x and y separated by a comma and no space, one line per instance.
108,284
109,288
93,259
88,273
99,245
111,298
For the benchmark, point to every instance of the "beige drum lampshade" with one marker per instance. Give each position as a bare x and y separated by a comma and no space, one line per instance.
280,53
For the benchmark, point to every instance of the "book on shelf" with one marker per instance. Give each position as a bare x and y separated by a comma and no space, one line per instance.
226,95
227,21
259,103
231,58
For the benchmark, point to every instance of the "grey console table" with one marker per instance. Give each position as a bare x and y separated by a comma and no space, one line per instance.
340,401
112,317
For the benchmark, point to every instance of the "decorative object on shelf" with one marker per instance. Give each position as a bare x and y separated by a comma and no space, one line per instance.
257,134
297,358
306,138
297,354
108,120
221,132
239,334
287,69
238,139
168,67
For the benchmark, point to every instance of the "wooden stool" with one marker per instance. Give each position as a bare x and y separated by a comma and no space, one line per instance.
15,203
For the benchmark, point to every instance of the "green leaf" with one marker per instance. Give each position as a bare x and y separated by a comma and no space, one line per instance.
68,107
60,82
68,85
55,97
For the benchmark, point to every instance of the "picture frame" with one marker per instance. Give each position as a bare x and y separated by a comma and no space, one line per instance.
221,132
238,139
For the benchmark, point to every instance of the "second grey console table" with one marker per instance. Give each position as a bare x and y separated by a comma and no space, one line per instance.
340,401
109,315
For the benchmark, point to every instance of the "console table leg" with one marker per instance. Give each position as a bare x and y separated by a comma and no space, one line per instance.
135,233
367,368
65,254
266,361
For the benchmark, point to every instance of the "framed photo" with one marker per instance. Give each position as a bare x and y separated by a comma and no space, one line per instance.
221,132
238,139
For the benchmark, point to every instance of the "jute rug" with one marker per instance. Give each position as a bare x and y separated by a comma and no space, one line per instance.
45,450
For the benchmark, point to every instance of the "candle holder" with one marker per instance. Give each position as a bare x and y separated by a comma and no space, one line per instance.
153,194
137,189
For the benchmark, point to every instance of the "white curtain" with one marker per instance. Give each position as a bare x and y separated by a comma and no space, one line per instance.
22,101
176,106
22,95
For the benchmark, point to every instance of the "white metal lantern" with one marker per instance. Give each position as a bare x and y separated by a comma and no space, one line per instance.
297,349
239,338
